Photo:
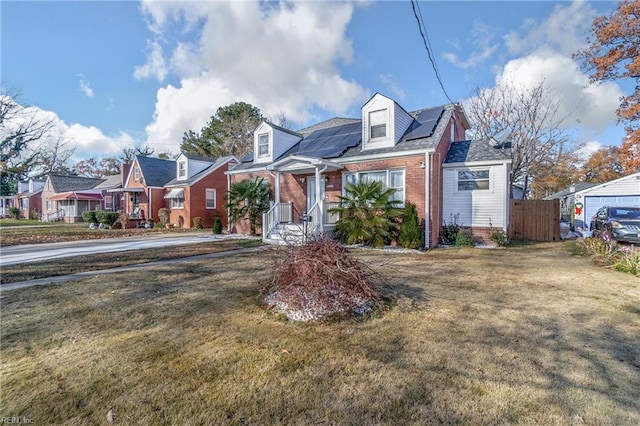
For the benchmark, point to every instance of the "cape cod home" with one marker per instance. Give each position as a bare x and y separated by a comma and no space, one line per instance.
66,197
143,188
422,154
198,190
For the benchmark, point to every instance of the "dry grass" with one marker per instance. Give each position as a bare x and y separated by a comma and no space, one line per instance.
94,262
525,335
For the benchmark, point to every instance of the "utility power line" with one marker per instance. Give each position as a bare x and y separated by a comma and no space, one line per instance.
427,44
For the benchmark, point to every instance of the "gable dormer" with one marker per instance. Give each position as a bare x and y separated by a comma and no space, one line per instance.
383,122
187,166
271,141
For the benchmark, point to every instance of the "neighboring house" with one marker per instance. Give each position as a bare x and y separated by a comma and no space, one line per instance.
624,191
410,152
66,197
109,188
143,189
567,200
29,198
198,190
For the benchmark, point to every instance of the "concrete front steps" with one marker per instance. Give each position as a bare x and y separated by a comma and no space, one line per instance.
286,233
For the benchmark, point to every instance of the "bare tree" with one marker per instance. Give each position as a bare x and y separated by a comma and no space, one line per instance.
535,122
20,129
54,154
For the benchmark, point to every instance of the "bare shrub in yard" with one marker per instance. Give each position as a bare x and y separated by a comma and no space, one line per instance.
321,279
197,222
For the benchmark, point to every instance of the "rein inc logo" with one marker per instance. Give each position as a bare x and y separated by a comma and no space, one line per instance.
16,420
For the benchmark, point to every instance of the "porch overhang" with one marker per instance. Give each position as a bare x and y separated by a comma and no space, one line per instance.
77,196
303,165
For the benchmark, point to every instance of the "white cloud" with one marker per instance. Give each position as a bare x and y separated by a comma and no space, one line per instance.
391,83
155,65
564,30
589,148
589,106
482,38
84,86
281,57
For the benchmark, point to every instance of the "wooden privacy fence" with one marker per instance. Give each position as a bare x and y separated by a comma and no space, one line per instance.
534,220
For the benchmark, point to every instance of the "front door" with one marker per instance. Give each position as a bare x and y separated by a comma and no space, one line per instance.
311,191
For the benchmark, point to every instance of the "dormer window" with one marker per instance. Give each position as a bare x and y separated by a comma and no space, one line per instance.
136,174
263,145
378,124
182,169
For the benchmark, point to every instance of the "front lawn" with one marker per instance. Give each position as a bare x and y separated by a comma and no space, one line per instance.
527,335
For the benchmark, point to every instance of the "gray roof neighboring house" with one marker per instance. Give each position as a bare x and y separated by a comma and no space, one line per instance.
110,182
65,183
580,186
476,151
156,171
216,163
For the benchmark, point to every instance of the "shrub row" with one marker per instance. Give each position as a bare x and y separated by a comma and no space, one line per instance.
104,217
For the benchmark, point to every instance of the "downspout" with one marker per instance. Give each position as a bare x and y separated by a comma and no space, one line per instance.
276,195
319,173
427,203
150,212
228,189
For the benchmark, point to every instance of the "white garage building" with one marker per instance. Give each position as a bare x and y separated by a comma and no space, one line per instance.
620,192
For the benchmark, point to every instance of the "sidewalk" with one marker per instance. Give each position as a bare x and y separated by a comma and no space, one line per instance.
73,277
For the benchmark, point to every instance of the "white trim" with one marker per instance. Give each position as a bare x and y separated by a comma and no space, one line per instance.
215,195
181,184
427,203
382,156
605,184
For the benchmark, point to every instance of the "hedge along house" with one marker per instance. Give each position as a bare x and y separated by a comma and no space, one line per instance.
66,197
198,190
143,189
308,170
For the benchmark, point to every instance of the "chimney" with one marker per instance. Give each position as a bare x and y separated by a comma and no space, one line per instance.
125,166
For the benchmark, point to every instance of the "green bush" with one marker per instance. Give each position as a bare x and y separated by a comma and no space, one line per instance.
217,225
411,233
629,262
14,212
464,238
449,231
107,217
89,216
499,237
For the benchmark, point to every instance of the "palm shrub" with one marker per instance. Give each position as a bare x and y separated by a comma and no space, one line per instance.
248,199
367,214
411,234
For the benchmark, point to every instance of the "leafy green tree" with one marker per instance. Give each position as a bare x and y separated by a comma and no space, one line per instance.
248,199
367,214
228,132
411,234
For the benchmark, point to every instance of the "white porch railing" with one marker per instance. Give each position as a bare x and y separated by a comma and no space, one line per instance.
278,213
314,218
57,215
330,218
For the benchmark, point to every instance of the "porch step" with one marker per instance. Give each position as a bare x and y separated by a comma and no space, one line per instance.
286,234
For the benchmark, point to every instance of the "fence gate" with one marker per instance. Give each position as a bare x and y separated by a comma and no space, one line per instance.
534,220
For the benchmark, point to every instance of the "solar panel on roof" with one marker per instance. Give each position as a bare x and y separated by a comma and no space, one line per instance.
331,142
427,119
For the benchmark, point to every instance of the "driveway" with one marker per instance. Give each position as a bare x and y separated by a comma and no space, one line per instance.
12,255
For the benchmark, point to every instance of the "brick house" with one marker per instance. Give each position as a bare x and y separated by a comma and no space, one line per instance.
198,190
66,197
143,189
422,154
29,198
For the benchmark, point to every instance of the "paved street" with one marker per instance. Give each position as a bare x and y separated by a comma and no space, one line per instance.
12,255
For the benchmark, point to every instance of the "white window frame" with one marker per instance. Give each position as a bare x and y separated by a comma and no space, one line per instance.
136,174
49,205
263,142
177,203
478,181
381,121
400,193
208,198
182,169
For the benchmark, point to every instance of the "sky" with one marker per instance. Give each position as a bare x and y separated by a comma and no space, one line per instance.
116,74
